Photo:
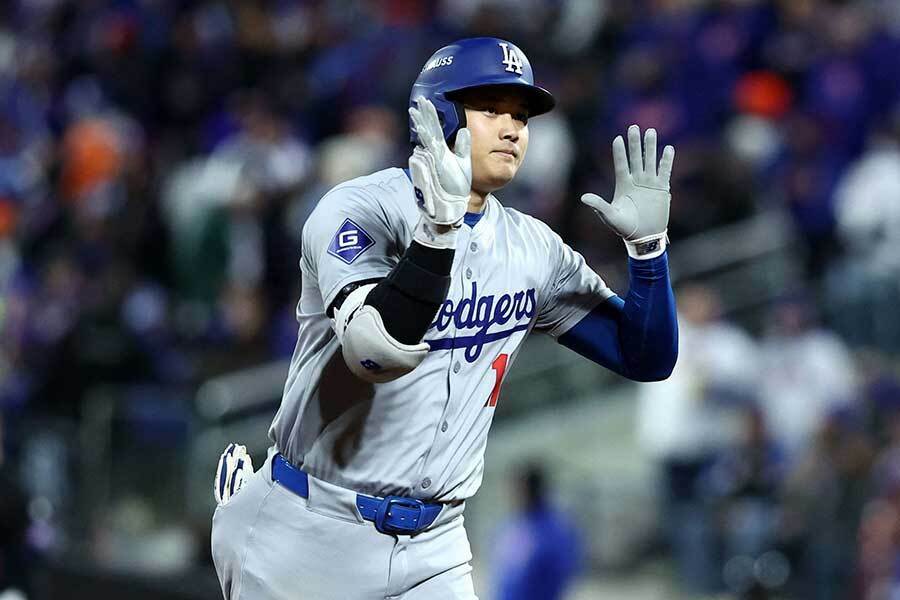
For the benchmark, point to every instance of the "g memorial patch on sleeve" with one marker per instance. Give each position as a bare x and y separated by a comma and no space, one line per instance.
350,242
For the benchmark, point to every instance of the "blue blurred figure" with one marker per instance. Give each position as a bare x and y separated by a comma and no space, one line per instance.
538,553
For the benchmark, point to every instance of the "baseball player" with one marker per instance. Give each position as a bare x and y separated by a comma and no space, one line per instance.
418,290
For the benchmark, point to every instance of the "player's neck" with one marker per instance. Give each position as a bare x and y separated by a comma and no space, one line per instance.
476,201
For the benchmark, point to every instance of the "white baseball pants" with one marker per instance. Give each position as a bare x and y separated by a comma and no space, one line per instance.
270,544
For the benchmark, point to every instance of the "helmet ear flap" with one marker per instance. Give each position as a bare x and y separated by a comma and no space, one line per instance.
460,118
458,109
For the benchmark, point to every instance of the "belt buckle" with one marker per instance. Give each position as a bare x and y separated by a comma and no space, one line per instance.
384,513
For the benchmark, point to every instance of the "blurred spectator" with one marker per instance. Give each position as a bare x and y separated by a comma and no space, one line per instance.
275,160
808,374
542,189
742,487
806,177
370,139
754,136
195,199
538,552
91,158
824,497
863,290
879,530
685,421
878,548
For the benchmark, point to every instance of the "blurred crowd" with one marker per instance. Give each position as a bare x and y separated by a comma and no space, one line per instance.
159,157
777,457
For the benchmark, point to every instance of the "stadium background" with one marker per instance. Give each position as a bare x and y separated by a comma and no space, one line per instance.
158,159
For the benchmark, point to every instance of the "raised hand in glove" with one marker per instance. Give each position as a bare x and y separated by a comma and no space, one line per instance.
639,212
442,178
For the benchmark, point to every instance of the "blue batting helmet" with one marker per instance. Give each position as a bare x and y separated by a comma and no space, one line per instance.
474,63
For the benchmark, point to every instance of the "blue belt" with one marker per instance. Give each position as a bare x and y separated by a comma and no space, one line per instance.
393,514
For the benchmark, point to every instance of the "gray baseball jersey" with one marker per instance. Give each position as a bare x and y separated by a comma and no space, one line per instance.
422,435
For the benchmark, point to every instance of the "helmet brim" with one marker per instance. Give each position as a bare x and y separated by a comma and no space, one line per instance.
538,100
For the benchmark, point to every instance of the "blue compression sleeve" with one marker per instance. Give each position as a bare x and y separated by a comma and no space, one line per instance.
637,337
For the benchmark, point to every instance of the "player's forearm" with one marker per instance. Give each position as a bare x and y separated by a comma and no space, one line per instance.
636,337
648,331
409,297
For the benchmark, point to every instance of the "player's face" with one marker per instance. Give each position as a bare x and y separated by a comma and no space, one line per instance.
498,120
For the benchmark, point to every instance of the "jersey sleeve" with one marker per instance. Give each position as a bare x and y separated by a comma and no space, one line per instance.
573,289
349,237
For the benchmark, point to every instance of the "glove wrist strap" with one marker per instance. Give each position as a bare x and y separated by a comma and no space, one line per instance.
440,237
647,247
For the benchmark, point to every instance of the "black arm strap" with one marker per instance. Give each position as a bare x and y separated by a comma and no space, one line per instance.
345,291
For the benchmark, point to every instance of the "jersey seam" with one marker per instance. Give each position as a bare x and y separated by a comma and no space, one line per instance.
364,188
551,285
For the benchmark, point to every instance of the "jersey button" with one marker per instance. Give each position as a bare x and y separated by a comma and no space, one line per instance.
468,273
473,247
444,427
457,367
426,483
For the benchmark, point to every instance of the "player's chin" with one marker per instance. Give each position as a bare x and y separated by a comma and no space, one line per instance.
502,173
495,182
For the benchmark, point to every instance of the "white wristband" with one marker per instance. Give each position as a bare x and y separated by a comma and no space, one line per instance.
647,247
441,237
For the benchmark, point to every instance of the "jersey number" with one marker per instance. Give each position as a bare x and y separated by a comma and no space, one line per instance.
499,365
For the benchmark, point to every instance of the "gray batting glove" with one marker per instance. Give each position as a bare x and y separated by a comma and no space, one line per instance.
639,212
442,178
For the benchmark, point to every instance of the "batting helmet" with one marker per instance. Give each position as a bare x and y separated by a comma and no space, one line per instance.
473,63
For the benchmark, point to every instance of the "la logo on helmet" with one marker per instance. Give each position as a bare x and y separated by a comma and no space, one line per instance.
511,59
